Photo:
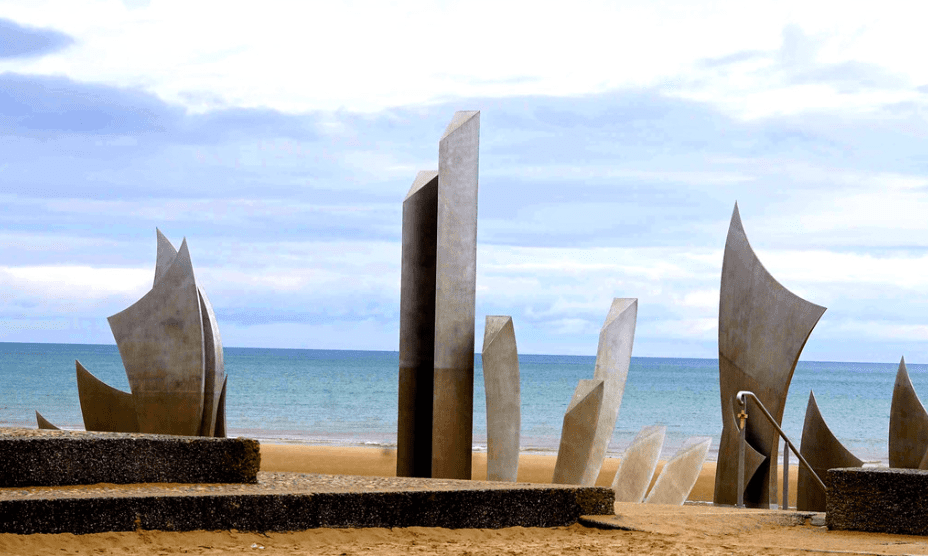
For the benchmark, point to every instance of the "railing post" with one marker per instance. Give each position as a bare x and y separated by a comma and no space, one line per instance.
785,505
742,397
742,417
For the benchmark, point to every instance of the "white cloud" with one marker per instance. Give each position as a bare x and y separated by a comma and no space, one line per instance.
705,329
298,56
880,330
701,299
69,282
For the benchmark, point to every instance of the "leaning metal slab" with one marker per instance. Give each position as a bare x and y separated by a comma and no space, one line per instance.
638,463
292,502
578,431
501,384
455,294
762,330
679,475
613,356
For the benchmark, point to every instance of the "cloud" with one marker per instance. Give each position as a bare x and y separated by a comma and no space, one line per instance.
50,105
294,218
809,72
19,41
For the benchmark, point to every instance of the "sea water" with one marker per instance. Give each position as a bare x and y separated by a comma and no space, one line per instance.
349,398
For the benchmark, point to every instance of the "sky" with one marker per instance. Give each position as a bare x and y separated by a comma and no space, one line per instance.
615,139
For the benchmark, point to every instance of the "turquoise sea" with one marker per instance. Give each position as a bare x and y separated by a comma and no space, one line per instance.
328,397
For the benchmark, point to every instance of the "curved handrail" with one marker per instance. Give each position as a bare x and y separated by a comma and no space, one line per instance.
740,396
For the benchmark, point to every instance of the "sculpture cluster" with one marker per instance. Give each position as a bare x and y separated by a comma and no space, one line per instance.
437,294
762,330
908,441
170,346
589,421
677,477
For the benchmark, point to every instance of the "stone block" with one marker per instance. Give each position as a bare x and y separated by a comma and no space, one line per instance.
294,502
56,458
878,500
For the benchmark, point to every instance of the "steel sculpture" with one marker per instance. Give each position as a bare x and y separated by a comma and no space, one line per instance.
612,359
417,328
823,452
438,290
172,353
908,425
679,475
762,330
501,384
103,407
578,431
636,469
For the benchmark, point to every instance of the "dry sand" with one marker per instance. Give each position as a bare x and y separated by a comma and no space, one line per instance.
690,529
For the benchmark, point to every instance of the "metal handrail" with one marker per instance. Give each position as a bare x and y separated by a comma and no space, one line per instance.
740,396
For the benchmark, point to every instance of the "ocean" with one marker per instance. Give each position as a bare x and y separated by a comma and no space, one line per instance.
349,398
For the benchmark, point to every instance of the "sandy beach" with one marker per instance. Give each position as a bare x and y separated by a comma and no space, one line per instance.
690,529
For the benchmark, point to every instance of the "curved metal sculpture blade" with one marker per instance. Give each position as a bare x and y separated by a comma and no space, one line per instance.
164,257
44,423
160,339
908,424
612,359
220,431
679,475
636,469
823,452
214,366
762,330
578,432
501,383
214,371
104,408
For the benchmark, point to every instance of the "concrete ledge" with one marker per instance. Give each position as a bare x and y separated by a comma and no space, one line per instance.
291,502
878,500
54,458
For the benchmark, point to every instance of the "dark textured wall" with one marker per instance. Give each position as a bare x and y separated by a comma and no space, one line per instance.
466,508
881,500
56,458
